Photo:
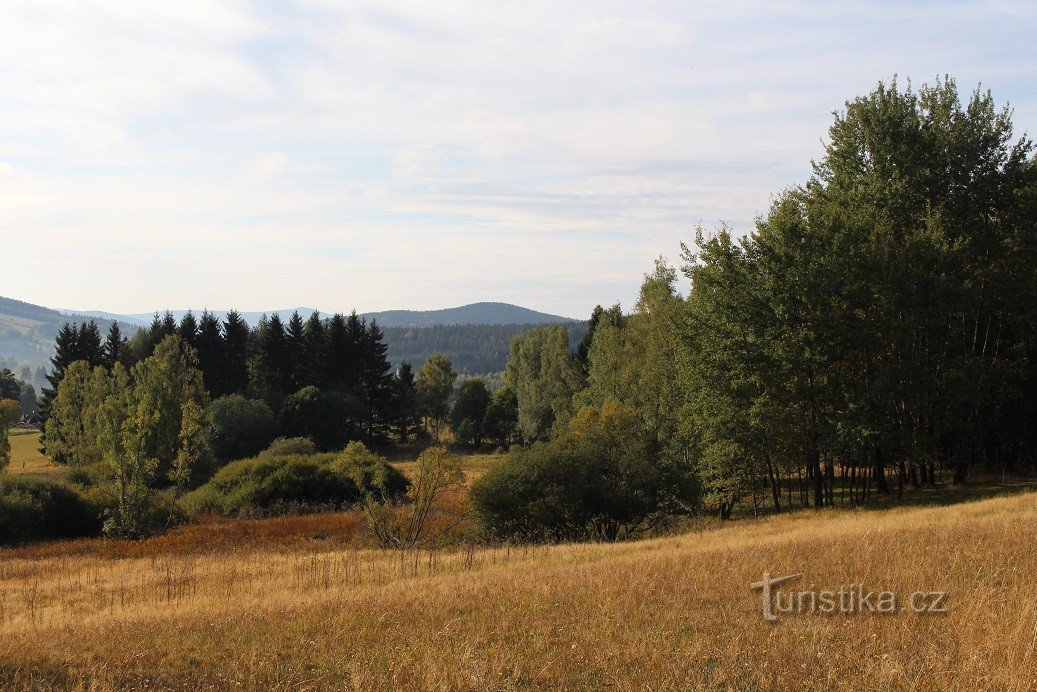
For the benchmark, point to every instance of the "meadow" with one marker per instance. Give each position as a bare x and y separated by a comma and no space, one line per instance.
301,603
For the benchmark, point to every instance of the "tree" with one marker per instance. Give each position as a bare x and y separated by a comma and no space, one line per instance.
468,414
70,433
272,362
169,403
405,402
212,357
115,348
10,413
70,345
128,472
321,416
295,338
188,329
10,387
501,421
544,376
434,385
235,375
241,427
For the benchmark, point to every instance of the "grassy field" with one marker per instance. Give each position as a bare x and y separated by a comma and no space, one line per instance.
203,607
26,458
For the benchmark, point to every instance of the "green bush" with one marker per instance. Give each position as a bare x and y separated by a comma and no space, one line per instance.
241,428
603,479
35,510
269,485
290,446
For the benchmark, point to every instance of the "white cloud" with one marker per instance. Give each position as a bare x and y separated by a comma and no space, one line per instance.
345,154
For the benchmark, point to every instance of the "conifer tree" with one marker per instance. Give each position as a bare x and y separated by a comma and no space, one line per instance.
211,354
235,371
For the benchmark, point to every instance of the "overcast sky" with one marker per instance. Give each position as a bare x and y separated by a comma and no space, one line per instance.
381,155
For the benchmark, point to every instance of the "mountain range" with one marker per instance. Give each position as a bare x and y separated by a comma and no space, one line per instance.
474,313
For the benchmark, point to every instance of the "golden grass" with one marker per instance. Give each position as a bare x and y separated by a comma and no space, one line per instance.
667,613
474,465
26,458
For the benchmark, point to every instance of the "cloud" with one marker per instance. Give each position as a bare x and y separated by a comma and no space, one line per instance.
347,154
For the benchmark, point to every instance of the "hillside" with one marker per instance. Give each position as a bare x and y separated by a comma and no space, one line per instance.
475,349
670,613
475,337
476,313
27,331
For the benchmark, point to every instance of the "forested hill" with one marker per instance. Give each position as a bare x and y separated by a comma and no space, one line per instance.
475,313
27,331
503,314
474,349
472,336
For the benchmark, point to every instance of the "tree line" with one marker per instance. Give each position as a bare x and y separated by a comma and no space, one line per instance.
876,331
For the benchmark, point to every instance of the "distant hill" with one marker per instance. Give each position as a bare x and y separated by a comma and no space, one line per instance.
475,337
473,349
27,331
476,313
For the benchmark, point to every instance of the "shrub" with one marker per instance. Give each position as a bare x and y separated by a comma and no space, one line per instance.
35,510
280,484
241,427
603,480
290,446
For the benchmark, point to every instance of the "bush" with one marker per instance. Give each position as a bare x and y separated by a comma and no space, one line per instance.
241,428
602,480
34,510
270,485
290,446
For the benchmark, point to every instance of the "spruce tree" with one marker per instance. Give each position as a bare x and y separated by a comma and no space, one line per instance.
211,361
115,347
314,355
188,329
295,338
236,335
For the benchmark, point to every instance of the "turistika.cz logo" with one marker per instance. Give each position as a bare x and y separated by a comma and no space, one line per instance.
854,599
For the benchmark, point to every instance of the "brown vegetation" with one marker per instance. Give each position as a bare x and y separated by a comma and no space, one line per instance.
277,612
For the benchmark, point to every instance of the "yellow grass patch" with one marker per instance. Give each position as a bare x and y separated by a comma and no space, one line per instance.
26,458
670,613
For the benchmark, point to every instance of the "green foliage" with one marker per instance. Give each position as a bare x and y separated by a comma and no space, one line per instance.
602,479
468,414
501,422
475,349
168,408
434,384
290,446
34,510
272,485
10,413
544,376
241,428
320,416
70,433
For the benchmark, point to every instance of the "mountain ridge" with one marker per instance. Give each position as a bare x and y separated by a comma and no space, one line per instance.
484,312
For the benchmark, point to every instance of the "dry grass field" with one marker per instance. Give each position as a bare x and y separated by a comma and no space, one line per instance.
314,612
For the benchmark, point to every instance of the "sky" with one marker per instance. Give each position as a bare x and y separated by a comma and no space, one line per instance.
379,155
